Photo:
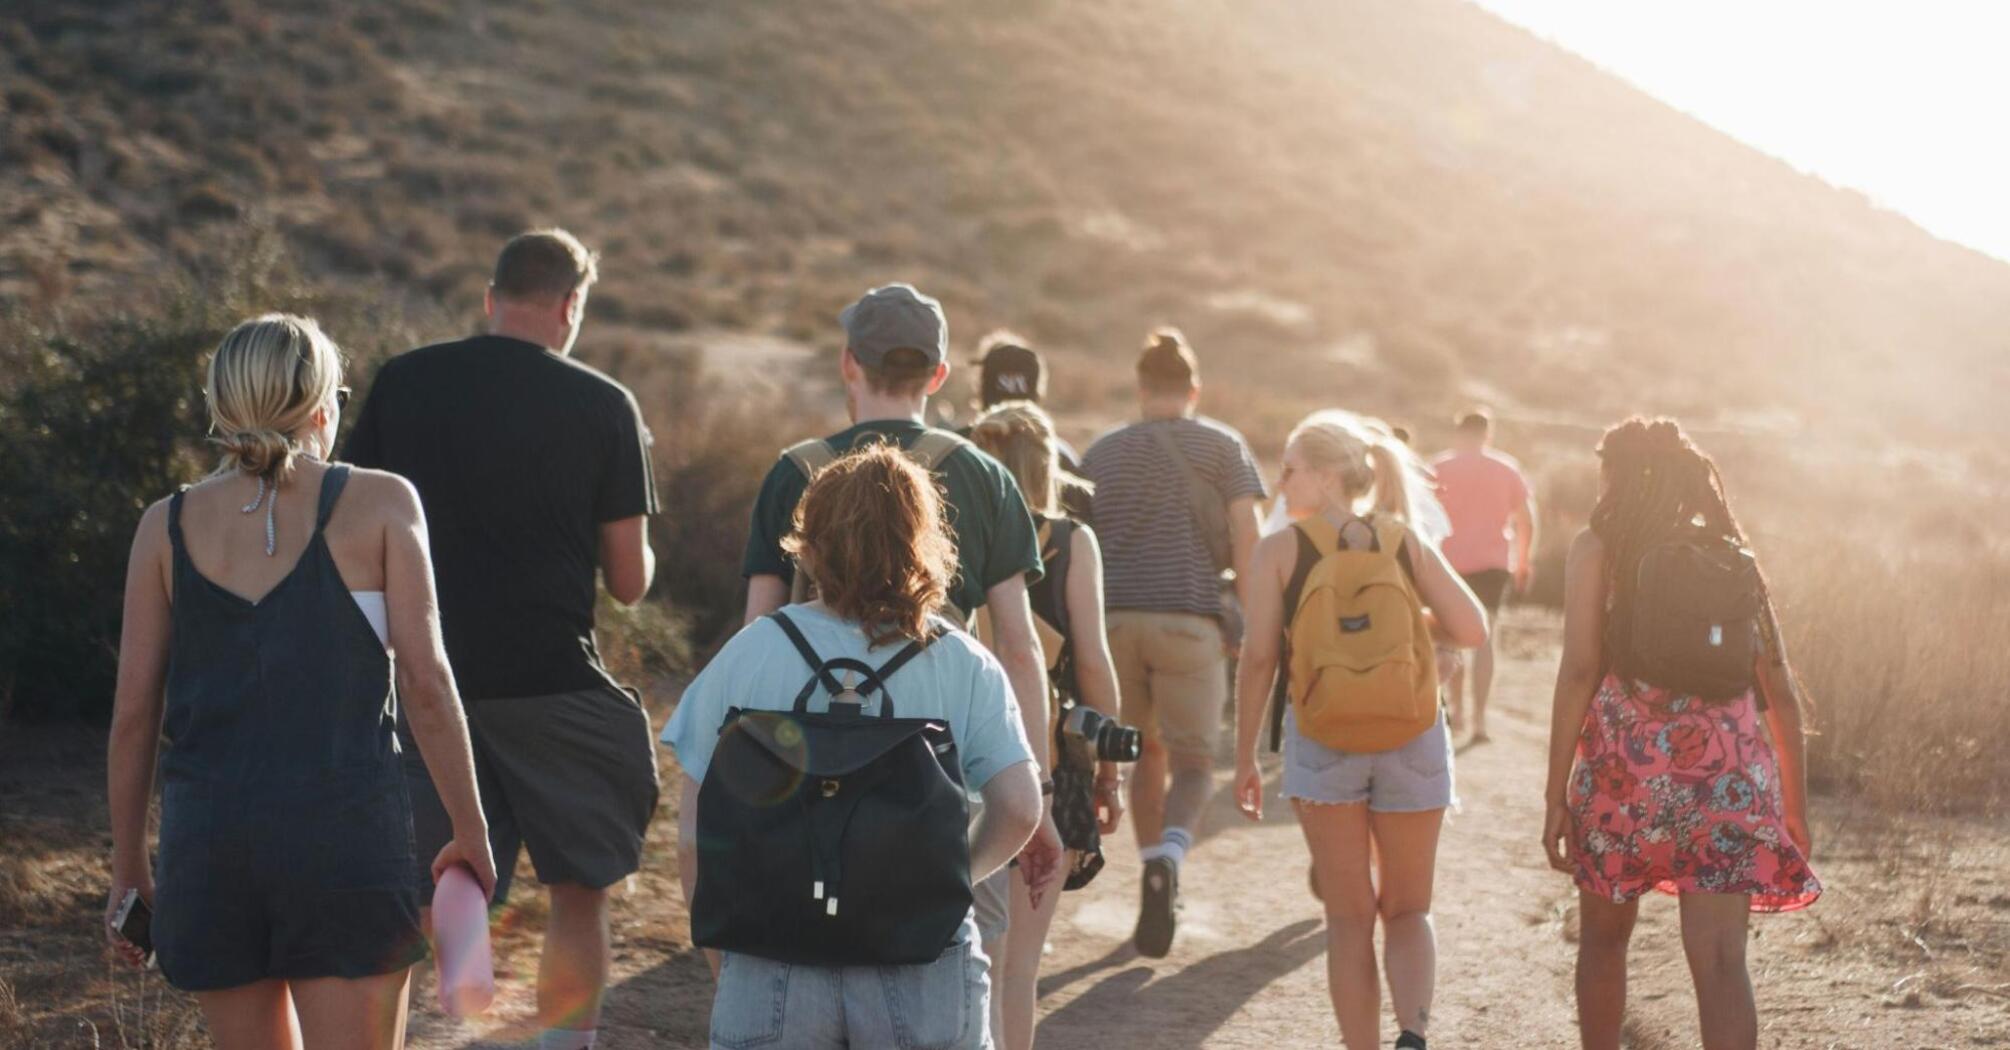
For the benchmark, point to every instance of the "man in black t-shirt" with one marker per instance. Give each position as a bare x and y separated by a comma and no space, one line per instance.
534,473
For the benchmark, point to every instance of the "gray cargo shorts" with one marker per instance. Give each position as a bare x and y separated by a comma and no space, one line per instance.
570,776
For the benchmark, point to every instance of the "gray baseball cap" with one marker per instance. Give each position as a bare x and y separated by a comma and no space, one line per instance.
895,317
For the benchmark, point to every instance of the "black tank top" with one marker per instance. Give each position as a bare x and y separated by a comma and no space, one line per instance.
289,696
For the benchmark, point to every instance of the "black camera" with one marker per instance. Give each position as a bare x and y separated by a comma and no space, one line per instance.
1112,740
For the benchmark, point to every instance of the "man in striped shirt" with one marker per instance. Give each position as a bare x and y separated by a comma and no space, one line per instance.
1158,483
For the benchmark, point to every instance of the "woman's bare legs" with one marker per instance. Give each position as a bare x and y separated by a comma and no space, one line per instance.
1603,931
1338,838
256,1016
365,1013
1019,973
1714,927
1406,848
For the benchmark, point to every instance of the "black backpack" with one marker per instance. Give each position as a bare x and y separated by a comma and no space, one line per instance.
835,838
1693,628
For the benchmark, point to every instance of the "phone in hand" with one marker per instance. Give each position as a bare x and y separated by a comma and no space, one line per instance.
134,923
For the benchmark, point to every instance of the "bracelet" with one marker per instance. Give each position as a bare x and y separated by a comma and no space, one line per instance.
1046,787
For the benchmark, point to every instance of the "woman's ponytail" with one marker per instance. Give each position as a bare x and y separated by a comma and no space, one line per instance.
1392,481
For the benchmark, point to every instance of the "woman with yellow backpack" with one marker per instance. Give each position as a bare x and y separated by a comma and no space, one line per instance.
1353,599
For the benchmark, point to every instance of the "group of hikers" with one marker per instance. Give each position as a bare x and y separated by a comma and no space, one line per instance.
965,658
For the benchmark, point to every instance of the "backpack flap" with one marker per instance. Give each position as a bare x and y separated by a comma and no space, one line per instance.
844,745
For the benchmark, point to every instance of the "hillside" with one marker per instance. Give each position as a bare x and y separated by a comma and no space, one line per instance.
1413,202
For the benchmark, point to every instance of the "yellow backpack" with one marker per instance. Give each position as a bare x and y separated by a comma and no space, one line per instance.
1363,675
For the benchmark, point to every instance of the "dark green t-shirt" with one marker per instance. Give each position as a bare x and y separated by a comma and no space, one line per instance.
995,538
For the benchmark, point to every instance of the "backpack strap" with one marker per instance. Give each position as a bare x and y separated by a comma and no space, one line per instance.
900,659
810,456
934,447
1317,538
808,653
870,678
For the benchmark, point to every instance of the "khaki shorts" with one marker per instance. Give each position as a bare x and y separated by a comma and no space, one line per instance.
1172,674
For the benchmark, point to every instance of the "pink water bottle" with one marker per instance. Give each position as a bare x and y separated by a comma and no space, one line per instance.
461,943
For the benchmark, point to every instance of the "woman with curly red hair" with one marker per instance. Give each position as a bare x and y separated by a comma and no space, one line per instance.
870,532
1660,775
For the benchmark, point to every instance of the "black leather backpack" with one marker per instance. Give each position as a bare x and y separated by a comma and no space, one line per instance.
833,838
1694,623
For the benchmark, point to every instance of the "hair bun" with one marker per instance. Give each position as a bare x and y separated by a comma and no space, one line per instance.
261,452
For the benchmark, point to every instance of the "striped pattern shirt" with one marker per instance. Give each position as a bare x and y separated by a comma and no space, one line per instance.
1154,558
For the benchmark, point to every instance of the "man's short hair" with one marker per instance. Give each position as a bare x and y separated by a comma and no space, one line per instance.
1168,364
901,373
1477,422
544,266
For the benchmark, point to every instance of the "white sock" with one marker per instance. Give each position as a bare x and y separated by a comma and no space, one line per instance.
566,1039
1174,844
1151,853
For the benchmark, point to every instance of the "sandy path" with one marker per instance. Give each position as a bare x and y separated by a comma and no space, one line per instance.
1248,969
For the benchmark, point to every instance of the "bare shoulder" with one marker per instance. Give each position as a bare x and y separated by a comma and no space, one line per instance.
1586,545
1278,551
1084,542
150,537
383,495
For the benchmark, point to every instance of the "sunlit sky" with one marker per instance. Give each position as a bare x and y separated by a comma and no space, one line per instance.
1908,102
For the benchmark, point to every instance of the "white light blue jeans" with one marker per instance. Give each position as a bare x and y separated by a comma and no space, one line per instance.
943,1005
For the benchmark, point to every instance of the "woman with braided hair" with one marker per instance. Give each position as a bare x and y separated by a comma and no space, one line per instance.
1655,787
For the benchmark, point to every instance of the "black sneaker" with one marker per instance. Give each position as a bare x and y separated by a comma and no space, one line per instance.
1156,918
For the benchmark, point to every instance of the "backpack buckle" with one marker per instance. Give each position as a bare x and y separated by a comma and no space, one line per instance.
830,788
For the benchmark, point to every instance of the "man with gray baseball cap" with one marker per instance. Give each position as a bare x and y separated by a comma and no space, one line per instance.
896,355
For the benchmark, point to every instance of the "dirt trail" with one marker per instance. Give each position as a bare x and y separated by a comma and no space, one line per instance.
1248,969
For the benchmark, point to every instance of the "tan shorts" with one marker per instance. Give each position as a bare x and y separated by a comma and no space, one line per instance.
1172,674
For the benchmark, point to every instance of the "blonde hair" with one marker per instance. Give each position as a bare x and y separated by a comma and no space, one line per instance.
265,381
1020,434
1369,461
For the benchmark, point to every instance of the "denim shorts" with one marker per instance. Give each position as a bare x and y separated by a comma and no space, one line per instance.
943,1005
1410,779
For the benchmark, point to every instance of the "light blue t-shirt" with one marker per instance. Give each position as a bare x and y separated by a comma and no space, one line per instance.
954,679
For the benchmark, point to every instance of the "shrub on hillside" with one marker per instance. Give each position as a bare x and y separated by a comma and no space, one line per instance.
98,427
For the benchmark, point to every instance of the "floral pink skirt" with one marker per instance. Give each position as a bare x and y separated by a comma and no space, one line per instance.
1675,794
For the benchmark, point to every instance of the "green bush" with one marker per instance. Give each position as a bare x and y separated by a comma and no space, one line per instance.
92,429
